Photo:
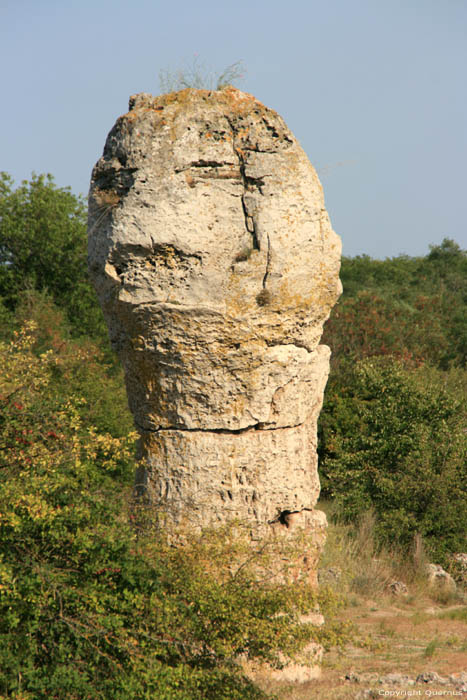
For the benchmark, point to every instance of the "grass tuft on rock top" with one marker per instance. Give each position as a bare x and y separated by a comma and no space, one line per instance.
197,76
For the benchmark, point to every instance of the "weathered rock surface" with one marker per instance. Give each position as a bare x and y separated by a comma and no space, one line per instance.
459,567
397,588
216,266
457,681
440,578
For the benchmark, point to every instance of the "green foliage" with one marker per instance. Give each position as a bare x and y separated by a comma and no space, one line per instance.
370,324
43,247
395,440
83,368
392,435
93,603
410,308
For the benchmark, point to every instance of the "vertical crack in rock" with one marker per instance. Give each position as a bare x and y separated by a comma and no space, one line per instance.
225,382
268,262
249,218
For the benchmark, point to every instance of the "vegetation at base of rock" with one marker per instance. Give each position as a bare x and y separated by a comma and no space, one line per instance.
94,603
394,624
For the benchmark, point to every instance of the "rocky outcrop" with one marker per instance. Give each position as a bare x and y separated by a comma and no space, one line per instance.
216,267
459,568
439,578
453,685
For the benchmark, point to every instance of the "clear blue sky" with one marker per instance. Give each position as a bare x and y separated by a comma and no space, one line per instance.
375,90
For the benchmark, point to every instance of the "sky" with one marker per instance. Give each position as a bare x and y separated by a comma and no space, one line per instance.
374,90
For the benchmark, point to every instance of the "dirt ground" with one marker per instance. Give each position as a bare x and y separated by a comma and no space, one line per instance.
398,636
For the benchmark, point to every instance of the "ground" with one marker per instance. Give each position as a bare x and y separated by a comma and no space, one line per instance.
403,636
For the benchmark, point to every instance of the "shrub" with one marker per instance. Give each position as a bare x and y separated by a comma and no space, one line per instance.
81,367
43,247
411,308
95,605
395,441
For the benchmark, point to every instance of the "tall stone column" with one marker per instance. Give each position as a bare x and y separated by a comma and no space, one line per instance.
216,267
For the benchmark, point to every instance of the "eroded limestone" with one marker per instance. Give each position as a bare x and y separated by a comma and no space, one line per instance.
216,267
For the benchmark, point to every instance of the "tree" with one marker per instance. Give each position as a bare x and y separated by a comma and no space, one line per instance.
411,308
43,247
394,440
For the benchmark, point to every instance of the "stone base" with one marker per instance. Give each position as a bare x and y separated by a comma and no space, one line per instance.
308,668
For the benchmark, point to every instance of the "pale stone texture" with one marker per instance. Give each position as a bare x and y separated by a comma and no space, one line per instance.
440,578
216,266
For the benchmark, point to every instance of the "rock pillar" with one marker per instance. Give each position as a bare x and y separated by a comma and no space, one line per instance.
216,266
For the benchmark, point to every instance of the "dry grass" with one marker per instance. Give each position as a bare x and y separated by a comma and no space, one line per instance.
423,630
392,639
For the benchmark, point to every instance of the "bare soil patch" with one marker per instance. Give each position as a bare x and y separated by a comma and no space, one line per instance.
394,638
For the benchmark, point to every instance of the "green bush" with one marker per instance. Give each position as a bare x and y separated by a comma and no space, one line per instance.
395,441
410,308
82,365
93,603
43,246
